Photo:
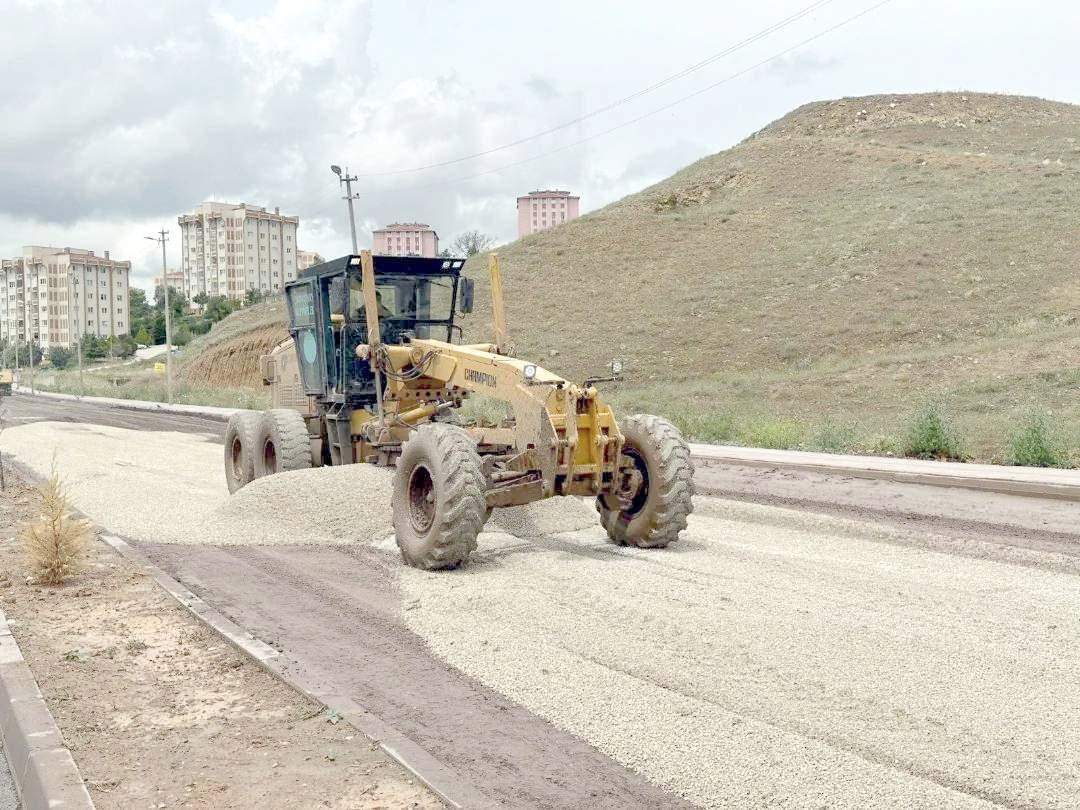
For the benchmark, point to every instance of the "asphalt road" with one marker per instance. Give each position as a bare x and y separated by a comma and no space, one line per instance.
19,409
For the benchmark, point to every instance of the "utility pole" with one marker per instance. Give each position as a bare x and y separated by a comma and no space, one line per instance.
73,325
29,328
163,237
347,181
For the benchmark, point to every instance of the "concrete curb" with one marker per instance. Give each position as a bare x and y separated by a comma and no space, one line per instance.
44,771
1032,482
435,775
208,411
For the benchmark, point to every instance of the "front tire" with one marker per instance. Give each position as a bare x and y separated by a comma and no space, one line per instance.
282,443
240,438
439,497
652,507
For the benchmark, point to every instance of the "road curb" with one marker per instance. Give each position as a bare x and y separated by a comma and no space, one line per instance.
42,767
207,411
435,775
1030,482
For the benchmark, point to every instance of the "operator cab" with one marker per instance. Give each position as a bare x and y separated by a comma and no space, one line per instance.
417,297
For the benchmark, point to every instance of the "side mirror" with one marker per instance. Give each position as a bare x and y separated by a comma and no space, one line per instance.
339,296
465,295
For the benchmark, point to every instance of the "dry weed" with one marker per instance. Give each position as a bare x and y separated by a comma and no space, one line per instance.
56,542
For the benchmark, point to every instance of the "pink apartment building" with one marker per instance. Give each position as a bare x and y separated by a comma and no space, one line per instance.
406,239
540,210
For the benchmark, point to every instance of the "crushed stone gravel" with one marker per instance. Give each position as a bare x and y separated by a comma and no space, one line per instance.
777,658
170,488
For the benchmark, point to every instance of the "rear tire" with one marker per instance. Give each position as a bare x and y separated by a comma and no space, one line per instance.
439,501
654,514
281,443
240,439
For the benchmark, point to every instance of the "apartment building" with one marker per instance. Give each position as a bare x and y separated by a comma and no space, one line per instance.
306,259
406,239
540,210
174,278
230,248
54,296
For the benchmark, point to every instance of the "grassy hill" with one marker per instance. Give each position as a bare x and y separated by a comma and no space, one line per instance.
816,283
813,284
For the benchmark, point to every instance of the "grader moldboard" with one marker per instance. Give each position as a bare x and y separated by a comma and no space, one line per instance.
371,374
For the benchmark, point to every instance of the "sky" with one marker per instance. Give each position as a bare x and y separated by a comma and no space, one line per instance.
120,115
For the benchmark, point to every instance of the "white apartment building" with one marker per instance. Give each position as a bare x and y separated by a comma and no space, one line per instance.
230,248
54,296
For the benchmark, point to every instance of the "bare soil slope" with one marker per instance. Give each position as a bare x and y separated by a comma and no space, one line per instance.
229,354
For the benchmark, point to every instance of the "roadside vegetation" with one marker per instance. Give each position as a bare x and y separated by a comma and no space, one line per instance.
56,540
144,382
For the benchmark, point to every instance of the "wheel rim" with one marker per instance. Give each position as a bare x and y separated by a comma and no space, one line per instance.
237,456
421,499
635,493
269,457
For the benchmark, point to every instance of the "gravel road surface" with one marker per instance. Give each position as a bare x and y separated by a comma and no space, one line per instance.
773,657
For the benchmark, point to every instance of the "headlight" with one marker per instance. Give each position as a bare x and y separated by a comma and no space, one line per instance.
616,367
529,371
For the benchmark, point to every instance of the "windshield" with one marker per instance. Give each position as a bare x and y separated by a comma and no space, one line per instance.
414,298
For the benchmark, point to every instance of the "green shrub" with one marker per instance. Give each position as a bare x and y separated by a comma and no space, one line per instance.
1034,442
775,435
834,438
932,435
711,427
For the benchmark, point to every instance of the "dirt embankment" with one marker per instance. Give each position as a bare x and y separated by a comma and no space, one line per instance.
234,361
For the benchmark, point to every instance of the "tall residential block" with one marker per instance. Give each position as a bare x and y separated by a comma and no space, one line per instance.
228,249
540,210
406,239
56,295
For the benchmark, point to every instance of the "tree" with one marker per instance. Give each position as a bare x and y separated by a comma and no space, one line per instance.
60,357
217,308
178,302
445,254
254,296
472,242
200,299
141,314
182,335
142,337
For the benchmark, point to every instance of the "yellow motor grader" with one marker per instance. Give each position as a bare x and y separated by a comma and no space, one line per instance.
372,374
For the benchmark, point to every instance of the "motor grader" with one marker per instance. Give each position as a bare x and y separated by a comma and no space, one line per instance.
371,374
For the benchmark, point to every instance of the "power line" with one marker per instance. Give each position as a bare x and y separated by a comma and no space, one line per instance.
784,23
656,111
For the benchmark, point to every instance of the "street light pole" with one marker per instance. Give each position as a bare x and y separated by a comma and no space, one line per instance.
347,181
163,237
73,325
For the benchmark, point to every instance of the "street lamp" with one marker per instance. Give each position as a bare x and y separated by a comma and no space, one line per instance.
73,324
163,237
347,181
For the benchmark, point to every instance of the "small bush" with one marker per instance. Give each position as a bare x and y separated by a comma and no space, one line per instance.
932,436
834,438
711,427
781,435
1035,443
56,542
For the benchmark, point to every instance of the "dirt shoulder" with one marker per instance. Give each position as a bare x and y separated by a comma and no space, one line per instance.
159,711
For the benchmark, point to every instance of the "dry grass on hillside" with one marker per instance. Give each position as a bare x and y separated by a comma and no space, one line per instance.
828,274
